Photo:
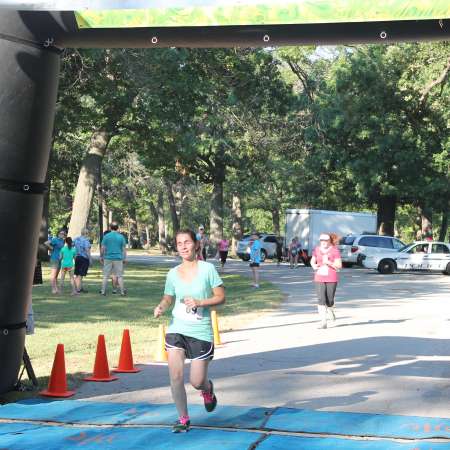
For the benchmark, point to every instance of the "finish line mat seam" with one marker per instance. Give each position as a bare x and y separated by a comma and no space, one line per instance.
265,431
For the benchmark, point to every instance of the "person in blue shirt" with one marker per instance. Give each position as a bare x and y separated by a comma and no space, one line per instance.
193,288
255,258
113,255
55,245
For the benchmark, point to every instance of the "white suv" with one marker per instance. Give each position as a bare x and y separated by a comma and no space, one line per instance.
268,246
355,248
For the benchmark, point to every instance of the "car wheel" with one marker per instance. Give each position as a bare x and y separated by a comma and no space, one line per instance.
386,266
263,255
347,265
447,270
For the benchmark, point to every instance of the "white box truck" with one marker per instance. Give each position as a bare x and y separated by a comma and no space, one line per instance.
307,224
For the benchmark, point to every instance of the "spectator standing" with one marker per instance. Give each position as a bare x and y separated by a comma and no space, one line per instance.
55,245
113,255
293,253
255,258
83,258
326,261
67,256
204,241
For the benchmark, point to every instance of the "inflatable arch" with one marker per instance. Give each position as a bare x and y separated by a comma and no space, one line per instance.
31,39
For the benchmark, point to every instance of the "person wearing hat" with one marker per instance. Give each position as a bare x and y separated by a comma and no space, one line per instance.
326,262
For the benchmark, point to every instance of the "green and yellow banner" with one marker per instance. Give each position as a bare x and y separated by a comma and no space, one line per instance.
200,13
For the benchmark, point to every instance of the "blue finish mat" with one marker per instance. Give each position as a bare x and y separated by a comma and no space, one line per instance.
358,424
21,437
301,443
106,413
28,435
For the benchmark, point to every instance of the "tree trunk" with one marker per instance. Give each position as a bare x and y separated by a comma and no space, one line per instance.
444,225
178,196
161,224
276,220
106,213
100,202
147,237
172,207
216,214
386,214
134,240
87,181
236,213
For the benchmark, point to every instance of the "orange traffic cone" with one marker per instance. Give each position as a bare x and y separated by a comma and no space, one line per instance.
126,356
215,325
57,385
101,367
161,354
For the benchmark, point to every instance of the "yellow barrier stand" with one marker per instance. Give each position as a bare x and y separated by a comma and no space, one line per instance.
161,354
215,325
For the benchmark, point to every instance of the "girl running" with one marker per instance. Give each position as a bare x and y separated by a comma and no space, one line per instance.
223,251
68,254
326,261
193,287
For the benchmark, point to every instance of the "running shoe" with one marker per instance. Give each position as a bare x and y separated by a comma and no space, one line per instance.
114,291
210,399
182,425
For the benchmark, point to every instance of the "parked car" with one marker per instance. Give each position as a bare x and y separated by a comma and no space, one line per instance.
354,248
423,255
268,246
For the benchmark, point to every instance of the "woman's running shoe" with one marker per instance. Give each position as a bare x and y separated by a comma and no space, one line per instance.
209,399
182,425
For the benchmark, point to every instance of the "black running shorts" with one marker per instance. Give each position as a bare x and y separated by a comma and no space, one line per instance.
254,264
193,348
81,266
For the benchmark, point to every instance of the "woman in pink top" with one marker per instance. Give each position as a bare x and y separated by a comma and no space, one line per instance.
223,251
326,261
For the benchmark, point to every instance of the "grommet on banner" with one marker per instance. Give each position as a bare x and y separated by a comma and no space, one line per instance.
5,332
266,38
48,42
383,35
26,187
154,40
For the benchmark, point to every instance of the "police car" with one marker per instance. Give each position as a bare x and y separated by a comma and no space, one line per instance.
423,256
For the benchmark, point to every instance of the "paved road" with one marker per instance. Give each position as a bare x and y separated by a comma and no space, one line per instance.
388,352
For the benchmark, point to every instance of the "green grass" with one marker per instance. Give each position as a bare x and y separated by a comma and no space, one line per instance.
77,321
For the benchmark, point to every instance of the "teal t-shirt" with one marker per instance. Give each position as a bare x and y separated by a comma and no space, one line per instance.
114,244
67,255
57,244
193,324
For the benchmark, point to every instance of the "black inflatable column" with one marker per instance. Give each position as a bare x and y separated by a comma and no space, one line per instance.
28,88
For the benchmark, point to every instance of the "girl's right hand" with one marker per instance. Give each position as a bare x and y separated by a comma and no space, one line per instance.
158,311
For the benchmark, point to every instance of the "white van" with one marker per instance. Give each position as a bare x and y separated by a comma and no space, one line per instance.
308,224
